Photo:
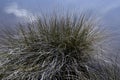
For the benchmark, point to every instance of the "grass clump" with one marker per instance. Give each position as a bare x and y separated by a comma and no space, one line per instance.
51,48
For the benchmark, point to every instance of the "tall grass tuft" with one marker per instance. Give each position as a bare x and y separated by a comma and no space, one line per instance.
51,48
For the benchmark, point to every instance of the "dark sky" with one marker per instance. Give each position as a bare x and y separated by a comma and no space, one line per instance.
12,11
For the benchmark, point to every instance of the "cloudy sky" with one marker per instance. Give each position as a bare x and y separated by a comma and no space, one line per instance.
12,11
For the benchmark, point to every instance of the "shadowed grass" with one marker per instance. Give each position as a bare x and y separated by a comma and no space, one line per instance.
52,48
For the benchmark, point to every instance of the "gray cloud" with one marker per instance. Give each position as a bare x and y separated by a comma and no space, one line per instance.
14,9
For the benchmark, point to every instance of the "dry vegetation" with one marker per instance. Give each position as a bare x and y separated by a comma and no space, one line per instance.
55,48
